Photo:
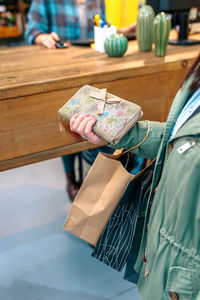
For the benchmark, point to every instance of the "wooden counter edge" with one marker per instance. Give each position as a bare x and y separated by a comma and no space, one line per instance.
45,155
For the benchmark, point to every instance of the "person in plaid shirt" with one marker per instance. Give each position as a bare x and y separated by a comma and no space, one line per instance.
52,20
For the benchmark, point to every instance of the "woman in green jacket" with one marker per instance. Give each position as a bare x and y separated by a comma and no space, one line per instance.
169,258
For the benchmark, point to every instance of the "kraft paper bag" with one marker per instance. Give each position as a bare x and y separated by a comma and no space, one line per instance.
98,196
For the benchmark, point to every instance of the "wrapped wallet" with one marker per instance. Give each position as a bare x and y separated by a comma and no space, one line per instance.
115,116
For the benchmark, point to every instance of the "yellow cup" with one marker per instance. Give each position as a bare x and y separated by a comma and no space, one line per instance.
121,13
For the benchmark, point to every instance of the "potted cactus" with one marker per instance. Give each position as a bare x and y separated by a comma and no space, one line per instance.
116,45
161,30
144,28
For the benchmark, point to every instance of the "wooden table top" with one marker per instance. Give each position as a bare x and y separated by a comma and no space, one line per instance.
30,70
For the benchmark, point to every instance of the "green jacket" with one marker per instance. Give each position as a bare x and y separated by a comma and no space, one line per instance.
171,241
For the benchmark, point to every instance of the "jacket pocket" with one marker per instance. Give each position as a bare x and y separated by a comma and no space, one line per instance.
180,284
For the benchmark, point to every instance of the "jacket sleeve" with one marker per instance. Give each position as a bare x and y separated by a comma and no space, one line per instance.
37,21
149,148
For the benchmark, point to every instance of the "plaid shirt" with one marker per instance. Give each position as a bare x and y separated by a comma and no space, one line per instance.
70,19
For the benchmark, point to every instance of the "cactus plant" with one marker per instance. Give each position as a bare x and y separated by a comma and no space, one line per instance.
116,45
161,29
144,28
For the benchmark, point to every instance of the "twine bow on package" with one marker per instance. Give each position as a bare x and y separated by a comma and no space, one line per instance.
115,116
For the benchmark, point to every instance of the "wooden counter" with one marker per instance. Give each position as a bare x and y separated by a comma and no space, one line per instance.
35,82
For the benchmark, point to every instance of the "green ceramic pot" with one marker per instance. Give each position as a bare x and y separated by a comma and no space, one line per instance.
116,45
144,28
161,30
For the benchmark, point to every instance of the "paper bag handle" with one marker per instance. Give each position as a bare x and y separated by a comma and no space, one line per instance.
120,151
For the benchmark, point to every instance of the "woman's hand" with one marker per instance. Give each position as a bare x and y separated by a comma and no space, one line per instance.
82,124
47,40
128,30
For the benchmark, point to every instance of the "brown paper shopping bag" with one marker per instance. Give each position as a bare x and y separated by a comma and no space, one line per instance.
98,196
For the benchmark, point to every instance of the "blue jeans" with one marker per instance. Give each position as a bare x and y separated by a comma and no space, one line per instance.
69,160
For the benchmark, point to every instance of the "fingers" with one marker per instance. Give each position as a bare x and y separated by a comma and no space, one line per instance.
71,123
132,27
76,120
55,36
123,30
46,40
80,124
129,29
83,124
91,136
49,42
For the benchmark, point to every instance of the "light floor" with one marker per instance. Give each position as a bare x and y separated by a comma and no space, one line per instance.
38,259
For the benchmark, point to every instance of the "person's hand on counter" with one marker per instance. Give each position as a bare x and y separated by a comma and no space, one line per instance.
128,30
47,40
